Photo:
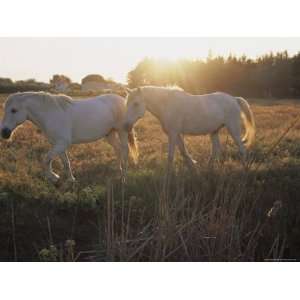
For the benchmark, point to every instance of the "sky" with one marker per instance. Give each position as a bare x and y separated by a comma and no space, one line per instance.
40,58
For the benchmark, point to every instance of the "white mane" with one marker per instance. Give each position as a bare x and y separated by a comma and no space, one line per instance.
159,90
46,99
166,88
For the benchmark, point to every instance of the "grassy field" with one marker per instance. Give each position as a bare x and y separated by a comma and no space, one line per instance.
225,213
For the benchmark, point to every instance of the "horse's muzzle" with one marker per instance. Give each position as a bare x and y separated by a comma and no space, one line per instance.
6,133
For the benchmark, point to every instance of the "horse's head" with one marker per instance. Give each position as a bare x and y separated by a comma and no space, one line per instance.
135,107
15,114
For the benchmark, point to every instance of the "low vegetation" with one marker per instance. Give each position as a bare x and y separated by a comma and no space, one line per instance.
224,213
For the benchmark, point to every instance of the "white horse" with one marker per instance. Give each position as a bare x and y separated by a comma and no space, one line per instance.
65,122
181,113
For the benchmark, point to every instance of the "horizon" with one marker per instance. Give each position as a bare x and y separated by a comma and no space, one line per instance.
41,58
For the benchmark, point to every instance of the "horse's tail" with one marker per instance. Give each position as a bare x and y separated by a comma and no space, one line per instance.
133,145
249,122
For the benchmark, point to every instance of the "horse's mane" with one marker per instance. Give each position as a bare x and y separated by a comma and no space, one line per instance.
46,99
172,89
166,88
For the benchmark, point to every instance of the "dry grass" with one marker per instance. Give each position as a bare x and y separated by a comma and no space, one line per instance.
218,214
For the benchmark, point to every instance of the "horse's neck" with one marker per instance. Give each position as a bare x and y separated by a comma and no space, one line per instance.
154,105
36,117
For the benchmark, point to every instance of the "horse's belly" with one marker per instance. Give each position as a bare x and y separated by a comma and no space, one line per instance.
202,119
91,123
199,127
89,131
90,137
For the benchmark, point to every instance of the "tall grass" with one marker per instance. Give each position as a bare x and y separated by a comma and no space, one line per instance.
214,216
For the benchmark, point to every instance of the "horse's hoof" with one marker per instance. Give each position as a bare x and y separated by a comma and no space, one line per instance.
53,178
72,180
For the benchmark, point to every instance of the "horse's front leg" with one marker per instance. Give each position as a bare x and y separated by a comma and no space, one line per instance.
184,152
67,166
57,150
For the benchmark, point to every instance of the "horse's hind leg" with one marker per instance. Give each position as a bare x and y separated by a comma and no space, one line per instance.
184,152
234,128
113,140
67,166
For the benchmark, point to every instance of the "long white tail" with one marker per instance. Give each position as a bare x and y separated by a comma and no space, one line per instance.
133,146
249,122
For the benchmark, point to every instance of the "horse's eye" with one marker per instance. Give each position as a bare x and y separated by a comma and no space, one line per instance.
13,110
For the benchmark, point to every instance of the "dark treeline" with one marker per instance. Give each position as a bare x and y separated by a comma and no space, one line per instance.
8,86
271,75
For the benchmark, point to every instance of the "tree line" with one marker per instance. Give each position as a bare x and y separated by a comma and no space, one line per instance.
8,86
270,75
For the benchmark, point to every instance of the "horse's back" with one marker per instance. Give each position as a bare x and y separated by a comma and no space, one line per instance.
211,103
111,99
201,114
114,98
101,104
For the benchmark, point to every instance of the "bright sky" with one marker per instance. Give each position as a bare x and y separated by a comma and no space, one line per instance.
40,58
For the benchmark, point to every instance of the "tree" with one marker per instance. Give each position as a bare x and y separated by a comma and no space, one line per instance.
295,74
57,78
5,81
93,77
